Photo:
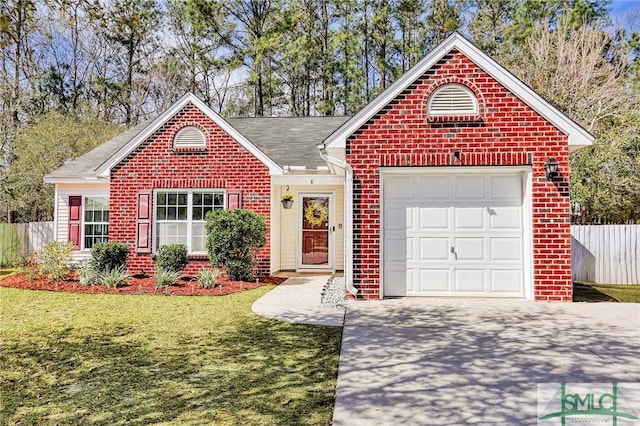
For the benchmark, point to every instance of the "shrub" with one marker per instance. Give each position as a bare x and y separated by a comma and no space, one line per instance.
233,240
208,277
172,257
114,278
21,260
109,256
165,278
53,260
88,275
30,269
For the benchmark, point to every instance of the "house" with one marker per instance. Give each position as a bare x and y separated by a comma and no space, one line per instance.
444,185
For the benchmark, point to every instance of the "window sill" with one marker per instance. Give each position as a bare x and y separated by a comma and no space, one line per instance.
193,256
189,149
451,118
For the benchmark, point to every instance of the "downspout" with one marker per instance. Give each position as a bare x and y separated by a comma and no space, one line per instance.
348,217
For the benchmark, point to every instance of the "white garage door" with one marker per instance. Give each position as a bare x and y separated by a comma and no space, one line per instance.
453,235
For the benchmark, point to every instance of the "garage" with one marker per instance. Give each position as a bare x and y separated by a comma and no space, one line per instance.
456,233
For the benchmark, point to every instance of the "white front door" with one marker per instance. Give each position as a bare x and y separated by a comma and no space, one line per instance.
453,235
316,231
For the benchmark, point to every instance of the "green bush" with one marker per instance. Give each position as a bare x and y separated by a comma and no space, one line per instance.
208,277
109,256
165,278
88,275
53,260
114,278
172,257
233,240
30,269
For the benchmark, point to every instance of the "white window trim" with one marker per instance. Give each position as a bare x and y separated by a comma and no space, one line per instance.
83,208
452,112
189,221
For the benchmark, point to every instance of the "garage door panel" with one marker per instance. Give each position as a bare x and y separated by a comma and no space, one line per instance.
505,188
469,218
469,249
397,281
434,280
468,187
505,218
399,187
434,218
506,250
398,219
506,281
470,280
433,188
398,249
433,249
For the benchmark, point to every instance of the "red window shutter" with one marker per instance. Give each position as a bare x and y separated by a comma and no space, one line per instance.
234,200
75,220
143,228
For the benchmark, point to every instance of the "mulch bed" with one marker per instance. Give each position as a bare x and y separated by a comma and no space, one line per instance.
185,286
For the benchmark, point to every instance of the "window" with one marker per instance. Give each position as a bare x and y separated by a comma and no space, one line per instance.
96,221
181,214
452,99
189,137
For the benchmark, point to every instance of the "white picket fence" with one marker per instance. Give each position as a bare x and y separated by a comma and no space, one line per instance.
606,254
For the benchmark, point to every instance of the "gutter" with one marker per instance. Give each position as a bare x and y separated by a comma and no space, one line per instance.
348,217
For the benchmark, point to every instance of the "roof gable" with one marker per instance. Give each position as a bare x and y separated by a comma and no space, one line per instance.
578,137
105,168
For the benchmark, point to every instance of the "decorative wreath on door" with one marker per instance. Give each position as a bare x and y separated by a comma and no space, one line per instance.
316,214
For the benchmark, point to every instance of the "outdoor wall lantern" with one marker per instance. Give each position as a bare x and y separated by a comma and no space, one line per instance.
551,168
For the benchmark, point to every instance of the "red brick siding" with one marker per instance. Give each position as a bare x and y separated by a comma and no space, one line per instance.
505,132
155,164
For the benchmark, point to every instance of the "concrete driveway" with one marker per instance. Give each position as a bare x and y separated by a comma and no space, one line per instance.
444,361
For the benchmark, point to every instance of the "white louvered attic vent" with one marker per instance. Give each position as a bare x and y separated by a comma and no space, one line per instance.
452,99
189,137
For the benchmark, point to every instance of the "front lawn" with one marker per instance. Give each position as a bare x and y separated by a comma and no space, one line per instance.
124,359
591,292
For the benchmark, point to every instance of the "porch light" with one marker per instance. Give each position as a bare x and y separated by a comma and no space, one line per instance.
551,168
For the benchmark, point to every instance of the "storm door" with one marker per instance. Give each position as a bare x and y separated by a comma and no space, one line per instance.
315,219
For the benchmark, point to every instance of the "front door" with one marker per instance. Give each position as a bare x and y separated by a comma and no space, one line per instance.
315,219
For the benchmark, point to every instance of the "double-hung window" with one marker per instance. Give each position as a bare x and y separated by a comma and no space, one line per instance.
181,216
96,221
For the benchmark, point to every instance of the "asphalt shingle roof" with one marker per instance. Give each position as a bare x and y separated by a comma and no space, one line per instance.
289,141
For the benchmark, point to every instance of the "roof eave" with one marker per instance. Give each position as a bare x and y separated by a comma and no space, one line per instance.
78,180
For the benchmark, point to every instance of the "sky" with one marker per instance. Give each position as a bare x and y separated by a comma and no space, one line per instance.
620,6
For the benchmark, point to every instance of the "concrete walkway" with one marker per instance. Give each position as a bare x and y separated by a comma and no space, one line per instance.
297,300
445,361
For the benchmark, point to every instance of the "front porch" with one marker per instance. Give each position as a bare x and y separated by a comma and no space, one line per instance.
308,236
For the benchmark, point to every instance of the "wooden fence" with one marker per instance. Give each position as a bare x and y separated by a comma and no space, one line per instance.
21,239
606,254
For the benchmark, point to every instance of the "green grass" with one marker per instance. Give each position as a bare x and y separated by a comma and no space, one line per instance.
116,360
621,293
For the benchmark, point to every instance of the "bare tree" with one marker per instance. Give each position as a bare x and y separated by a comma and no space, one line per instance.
579,71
